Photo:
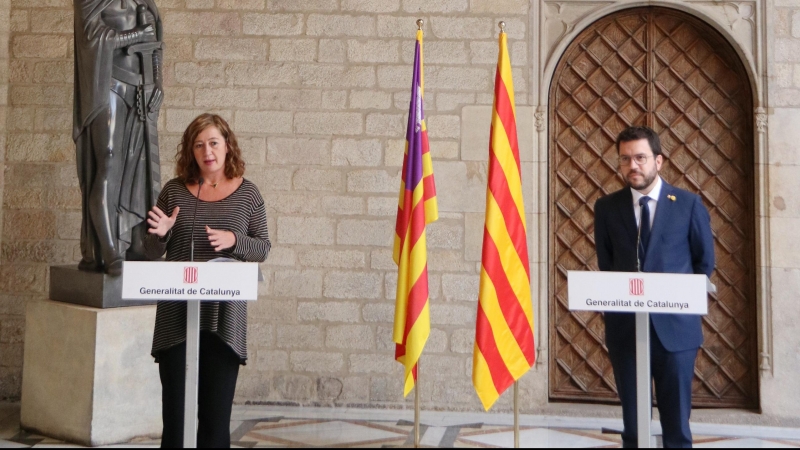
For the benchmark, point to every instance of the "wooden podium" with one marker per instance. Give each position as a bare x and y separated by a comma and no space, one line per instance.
642,293
191,282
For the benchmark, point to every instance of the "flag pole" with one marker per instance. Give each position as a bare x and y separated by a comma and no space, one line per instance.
503,251
416,410
516,414
420,23
502,26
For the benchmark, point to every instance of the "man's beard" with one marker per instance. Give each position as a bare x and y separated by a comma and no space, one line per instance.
647,180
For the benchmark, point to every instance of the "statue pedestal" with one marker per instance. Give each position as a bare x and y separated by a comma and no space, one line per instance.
95,289
88,376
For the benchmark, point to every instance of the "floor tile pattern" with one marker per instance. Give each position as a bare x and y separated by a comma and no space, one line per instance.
266,427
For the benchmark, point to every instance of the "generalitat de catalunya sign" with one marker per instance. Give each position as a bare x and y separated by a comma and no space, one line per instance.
181,281
638,292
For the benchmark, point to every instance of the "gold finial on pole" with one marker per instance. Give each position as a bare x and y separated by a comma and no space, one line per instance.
420,23
502,26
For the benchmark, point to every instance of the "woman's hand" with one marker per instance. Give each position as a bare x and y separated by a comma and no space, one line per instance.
161,223
220,239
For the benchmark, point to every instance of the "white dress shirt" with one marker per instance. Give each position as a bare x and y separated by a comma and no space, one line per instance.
652,203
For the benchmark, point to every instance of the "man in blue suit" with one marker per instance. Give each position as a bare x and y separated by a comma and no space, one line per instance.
651,226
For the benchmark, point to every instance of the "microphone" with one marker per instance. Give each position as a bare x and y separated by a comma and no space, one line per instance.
638,243
194,218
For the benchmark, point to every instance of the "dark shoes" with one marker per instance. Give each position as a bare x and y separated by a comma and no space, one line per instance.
114,268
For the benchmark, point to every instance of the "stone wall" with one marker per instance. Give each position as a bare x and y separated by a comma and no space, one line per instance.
785,55
317,91
779,389
4,32
9,333
41,199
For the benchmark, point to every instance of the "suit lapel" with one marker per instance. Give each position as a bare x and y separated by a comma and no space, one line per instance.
663,213
625,206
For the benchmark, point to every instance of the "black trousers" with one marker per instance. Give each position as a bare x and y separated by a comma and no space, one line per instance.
672,374
218,370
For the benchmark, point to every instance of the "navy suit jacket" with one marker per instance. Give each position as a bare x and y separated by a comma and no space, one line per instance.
680,242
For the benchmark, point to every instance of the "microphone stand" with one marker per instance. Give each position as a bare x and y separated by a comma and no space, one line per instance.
194,218
638,243
643,395
192,351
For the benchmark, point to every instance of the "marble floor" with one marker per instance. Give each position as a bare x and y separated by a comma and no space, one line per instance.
268,426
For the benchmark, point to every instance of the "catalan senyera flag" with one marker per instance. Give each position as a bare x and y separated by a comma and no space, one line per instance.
415,209
504,344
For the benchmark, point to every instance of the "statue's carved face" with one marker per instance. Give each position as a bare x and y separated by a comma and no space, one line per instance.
210,150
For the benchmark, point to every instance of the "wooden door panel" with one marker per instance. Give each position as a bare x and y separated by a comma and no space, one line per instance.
667,70
710,141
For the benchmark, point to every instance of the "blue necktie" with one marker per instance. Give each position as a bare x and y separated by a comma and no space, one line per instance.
644,229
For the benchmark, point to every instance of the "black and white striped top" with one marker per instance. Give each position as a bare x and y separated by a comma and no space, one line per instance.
242,213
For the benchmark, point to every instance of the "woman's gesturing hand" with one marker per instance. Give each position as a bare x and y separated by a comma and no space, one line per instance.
220,239
159,222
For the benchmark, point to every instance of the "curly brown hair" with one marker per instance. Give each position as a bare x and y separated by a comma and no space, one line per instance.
186,168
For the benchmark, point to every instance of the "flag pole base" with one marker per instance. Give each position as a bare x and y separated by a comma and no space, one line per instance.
516,414
416,410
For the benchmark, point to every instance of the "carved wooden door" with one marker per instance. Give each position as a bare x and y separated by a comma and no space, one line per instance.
667,70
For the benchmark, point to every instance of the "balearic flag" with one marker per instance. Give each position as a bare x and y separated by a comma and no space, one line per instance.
504,348
415,209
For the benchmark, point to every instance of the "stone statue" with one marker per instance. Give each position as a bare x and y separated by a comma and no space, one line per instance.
118,94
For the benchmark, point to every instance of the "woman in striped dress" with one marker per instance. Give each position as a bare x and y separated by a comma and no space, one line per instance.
230,222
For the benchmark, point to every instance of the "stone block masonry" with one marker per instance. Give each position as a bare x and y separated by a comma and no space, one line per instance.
785,62
784,168
11,307
317,92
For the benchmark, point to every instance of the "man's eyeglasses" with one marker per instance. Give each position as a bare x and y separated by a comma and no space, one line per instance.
640,159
